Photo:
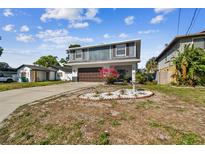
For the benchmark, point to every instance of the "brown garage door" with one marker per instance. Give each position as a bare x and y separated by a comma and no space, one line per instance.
89,74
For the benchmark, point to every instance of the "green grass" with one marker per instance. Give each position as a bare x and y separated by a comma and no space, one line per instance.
185,94
115,123
17,85
178,136
103,138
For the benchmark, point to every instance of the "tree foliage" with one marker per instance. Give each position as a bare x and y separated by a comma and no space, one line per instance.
74,45
62,61
151,65
47,61
190,66
1,51
4,65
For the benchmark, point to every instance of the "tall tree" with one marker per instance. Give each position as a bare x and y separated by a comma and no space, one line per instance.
151,65
47,61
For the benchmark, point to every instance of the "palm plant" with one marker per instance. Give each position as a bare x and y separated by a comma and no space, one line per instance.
190,66
151,65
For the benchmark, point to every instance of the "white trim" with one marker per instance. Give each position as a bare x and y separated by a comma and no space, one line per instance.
104,62
125,50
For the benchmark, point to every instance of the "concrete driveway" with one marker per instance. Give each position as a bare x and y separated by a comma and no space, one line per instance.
12,99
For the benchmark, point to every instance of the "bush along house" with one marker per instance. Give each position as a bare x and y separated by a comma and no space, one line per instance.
87,61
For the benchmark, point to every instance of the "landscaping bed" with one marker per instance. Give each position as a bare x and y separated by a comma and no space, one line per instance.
160,119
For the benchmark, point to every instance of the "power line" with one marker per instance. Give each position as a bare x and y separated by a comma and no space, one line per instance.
179,16
192,20
195,19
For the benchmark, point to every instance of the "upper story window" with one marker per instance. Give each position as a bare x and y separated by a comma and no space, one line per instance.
199,43
120,50
78,54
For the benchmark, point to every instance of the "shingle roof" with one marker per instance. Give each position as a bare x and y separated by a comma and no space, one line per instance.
34,67
202,33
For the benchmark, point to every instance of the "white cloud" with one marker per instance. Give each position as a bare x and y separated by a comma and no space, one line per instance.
78,25
8,28
24,38
24,28
164,10
60,37
123,35
129,20
70,14
39,27
156,20
106,36
7,12
149,31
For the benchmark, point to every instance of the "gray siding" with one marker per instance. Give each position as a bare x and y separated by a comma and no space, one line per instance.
103,53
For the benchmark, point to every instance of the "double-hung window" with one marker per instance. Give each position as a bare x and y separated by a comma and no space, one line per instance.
78,54
121,50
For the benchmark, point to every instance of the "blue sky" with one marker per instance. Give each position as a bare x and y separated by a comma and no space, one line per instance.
28,34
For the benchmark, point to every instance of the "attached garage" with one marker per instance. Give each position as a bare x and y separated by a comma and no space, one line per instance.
89,74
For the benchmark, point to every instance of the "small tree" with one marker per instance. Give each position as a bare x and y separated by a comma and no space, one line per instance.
109,75
47,61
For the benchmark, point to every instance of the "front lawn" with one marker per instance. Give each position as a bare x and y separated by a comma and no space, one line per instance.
161,119
187,94
17,85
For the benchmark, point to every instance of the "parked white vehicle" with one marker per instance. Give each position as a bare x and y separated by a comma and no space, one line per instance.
5,78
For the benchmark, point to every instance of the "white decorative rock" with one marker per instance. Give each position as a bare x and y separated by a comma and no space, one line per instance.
119,94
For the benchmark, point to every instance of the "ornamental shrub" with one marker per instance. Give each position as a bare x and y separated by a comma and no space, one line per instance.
109,75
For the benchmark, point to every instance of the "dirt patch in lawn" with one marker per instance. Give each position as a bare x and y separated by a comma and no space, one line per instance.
160,119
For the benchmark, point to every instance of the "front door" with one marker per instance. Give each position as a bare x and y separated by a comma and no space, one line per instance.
122,74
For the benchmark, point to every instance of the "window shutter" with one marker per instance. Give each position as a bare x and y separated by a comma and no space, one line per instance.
73,53
113,50
127,49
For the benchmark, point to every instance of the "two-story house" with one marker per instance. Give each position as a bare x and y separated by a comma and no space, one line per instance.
86,61
166,69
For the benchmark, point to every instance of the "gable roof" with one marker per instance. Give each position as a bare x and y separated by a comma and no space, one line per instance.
104,44
34,67
63,68
177,38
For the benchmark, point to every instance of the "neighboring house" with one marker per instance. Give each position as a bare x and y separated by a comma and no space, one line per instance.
166,70
86,61
32,73
63,73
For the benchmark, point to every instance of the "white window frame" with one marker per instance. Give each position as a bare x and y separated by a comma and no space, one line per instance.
120,55
80,51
